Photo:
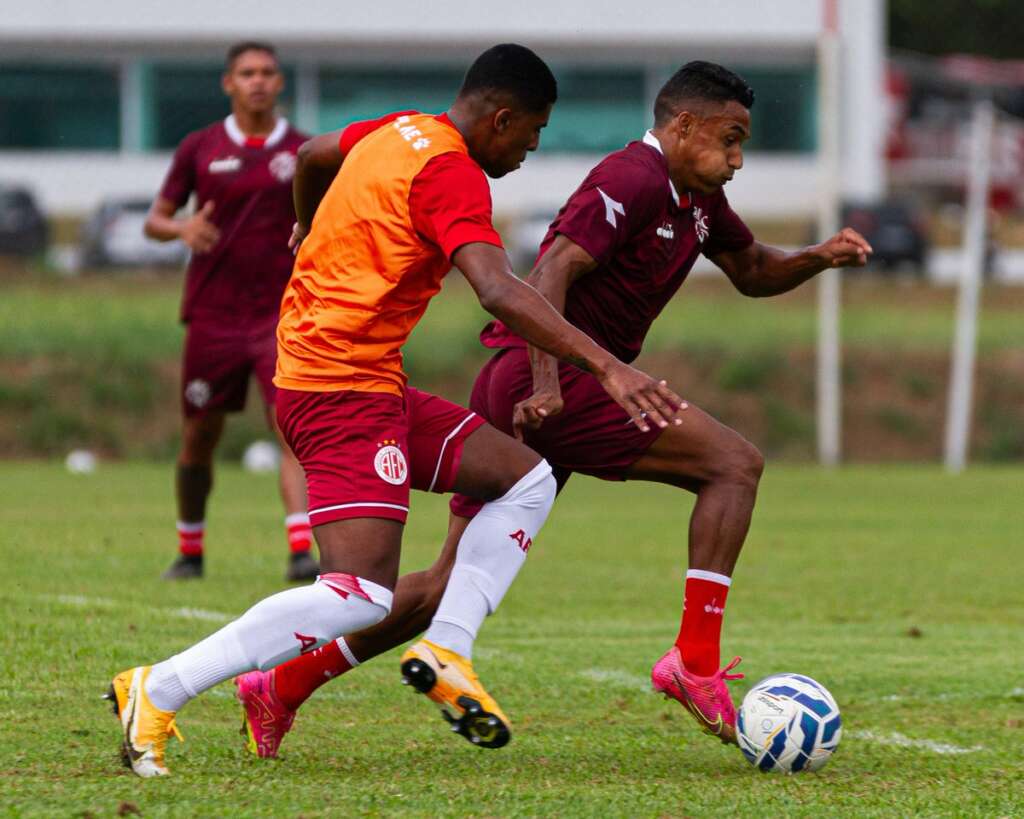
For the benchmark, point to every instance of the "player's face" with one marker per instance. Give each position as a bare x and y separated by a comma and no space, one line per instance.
514,133
709,147
254,81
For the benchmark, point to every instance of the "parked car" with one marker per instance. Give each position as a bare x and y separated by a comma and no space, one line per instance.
23,228
113,237
894,230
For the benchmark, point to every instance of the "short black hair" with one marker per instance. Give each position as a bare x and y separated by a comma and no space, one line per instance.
700,80
238,49
516,70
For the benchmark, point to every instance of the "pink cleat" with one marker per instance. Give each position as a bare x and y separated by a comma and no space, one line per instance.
706,698
265,719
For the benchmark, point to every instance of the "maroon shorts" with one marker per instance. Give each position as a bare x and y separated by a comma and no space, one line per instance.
218,360
592,434
363,451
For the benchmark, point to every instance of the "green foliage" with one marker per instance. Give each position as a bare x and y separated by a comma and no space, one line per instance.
840,569
899,421
749,372
989,28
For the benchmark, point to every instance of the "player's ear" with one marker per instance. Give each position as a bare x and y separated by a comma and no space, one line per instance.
502,120
685,123
226,83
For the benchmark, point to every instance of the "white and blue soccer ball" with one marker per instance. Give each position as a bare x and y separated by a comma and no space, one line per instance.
788,723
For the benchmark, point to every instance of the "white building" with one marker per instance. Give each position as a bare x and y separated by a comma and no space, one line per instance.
94,95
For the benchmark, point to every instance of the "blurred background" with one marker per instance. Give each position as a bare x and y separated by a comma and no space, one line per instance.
866,113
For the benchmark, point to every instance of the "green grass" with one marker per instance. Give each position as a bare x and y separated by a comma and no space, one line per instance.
841,571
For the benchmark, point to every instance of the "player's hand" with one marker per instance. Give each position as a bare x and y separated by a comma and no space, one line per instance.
645,400
199,233
530,413
298,234
846,249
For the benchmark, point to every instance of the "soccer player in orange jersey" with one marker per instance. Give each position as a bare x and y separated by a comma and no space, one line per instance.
617,252
383,213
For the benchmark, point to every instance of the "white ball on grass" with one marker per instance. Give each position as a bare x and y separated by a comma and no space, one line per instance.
80,462
261,456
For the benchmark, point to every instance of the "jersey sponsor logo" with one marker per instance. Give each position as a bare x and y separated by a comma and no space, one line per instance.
411,134
197,393
700,224
228,164
666,232
282,166
611,207
390,464
522,540
308,643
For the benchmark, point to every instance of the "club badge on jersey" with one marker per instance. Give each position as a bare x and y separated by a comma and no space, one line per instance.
390,463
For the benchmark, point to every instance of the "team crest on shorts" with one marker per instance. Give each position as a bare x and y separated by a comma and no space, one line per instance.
197,393
282,165
390,463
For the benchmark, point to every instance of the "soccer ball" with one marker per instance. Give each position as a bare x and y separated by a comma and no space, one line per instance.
261,456
788,723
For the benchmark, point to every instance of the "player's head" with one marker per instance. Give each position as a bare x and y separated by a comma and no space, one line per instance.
252,76
702,118
504,102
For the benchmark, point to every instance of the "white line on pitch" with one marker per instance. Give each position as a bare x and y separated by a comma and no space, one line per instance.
105,602
901,741
620,679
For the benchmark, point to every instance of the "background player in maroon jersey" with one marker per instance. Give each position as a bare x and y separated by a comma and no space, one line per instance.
241,172
613,257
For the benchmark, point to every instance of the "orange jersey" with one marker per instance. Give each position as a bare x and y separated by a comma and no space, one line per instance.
365,274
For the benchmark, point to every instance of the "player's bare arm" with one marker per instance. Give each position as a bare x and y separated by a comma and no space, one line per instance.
564,262
529,314
196,231
761,270
317,163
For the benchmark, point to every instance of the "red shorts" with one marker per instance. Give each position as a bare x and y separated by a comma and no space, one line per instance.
363,451
592,434
218,361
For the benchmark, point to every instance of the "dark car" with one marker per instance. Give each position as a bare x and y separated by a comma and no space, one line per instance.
23,228
113,237
894,230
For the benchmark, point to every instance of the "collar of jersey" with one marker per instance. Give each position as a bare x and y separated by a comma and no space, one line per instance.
238,137
652,140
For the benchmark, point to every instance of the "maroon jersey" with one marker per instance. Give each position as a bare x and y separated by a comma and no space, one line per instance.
645,238
250,184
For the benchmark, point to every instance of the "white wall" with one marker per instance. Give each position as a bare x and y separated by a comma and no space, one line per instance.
676,22
77,182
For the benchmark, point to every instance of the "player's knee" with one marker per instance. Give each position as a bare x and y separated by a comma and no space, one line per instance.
534,490
747,465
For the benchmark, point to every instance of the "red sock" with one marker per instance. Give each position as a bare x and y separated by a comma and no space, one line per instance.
190,538
296,679
300,533
701,629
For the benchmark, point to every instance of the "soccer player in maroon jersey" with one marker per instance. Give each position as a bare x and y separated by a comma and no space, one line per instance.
240,170
613,257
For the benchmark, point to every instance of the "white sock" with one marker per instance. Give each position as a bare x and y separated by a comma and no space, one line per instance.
492,550
274,630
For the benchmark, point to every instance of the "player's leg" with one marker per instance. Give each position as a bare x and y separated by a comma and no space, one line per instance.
723,470
339,438
214,378
292,480
490,554
193,481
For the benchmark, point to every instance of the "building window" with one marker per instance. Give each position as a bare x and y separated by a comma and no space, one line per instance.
597,111
59,107
783,119
180,99
352,94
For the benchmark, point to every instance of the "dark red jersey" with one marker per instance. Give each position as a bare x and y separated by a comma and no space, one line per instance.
250,184
645,238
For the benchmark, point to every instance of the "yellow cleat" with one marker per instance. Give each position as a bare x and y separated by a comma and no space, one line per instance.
144,727
448,679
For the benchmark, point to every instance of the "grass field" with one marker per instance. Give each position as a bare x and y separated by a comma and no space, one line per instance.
900,589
